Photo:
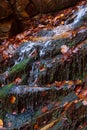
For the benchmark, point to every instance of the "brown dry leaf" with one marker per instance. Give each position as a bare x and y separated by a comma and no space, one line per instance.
42,68
78,82
58,84
5,56
73,33
78,89
83,94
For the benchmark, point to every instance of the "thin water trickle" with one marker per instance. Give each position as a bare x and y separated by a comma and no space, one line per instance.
79,15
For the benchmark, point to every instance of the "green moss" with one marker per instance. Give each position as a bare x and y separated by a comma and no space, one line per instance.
71,44
4,90
20,67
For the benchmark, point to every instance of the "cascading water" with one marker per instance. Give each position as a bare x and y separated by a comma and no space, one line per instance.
80,16
39,68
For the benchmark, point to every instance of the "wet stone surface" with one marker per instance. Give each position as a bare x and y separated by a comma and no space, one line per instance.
43,75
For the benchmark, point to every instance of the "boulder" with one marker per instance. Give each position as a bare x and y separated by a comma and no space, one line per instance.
45,6
5,27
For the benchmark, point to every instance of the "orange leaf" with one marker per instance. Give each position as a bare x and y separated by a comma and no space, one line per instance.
70,82
62,15
48,85
1,123
36,126
78,82
12,99
42,68
58,84
44,109
62,22
17,80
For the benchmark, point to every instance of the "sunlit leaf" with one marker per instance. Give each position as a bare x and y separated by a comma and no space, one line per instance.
12,99
1,123
18,80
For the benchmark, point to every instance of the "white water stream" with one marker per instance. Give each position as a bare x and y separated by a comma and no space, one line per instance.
28,48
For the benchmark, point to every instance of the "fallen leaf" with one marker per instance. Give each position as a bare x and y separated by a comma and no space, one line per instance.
58,84
17,80
44,109
64,49
62,22
36,126
1,123
42,68
62,15
12,99
78,82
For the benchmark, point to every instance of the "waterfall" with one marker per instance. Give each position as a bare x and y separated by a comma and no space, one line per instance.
80,13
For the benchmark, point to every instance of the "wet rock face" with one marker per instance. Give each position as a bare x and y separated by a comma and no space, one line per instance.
5,27
20,8
43,73
30,8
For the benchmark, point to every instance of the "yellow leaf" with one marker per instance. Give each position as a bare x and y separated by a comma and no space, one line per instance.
47,127
62,15
1,123
62,22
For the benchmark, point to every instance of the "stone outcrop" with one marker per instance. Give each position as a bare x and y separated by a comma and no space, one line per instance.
45,6
43,73
5,9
